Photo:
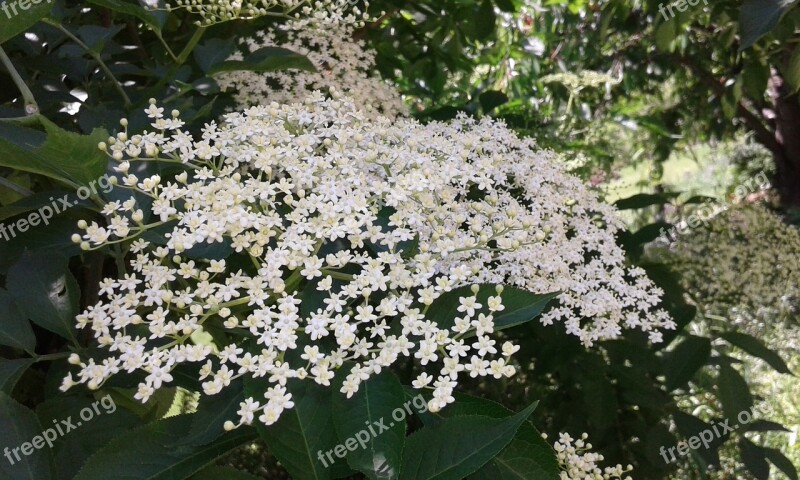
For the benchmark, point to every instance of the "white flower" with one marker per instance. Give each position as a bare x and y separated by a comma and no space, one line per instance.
319,194
342,65
577,462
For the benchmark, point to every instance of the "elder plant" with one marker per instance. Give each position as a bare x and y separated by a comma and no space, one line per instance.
345,231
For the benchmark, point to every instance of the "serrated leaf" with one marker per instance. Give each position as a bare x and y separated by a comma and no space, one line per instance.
759,17
681,363
11,371
458,446
302,431
15,330
734,393
761,425
527,456
45,291
266,59
520,305
212,412
19,425
130,9
492,99
155,452
72,449
212,52
217,472
15,20
781,462
690,426
370,410
642,200
65,156
756,348
754,459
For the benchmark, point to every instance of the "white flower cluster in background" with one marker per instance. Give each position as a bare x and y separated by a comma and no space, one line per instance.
342,230
320,12
743,265
342,64
577,462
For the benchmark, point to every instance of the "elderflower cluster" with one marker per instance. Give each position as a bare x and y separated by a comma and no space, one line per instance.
743,265
320,12
577,462
342,64
307,235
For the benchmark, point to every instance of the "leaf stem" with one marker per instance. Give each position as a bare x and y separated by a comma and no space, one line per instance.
169,50
52,356
31,107
96,56
14,187
182,57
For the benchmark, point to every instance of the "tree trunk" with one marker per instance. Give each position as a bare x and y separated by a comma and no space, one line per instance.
786,108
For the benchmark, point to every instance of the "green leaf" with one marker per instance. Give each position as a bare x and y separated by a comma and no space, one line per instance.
15,19
485,20
96,37
759,17
690,426
216,472
370,410
72,449
301,433
156,407
492,99
756,78
756,348
212,412
761,425
406,248
734,393
35,202
506,5
212,52
521,460
792,72
641,200
682,314
65,156
781,462
666,33
527,456
15,330
11,371
266,59
46,292
520,305
156,452
754,459
130,9
681,363
458,446
19,426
